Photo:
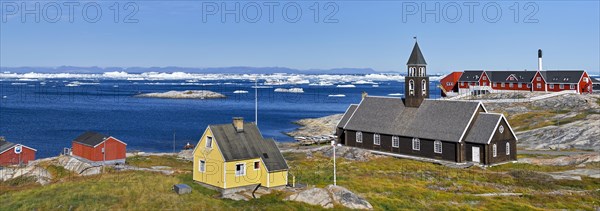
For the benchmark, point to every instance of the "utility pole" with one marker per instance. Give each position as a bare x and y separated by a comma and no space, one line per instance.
334,173
103,155
173,141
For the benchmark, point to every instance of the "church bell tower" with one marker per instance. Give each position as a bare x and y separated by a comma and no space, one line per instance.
416,86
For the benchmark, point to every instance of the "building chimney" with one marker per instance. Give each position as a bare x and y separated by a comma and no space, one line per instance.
364,94
540,59
238,124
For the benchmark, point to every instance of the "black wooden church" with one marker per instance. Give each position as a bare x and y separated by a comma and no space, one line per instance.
458,131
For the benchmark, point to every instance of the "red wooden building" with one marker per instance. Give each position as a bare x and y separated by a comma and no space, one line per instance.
448,83
99,149
577,81
15,154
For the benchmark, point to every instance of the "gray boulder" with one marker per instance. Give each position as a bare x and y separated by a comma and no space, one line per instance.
313,196
348,199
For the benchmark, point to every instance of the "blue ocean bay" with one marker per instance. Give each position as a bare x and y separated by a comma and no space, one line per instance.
49,116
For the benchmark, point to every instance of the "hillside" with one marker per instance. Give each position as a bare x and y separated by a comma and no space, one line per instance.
387,183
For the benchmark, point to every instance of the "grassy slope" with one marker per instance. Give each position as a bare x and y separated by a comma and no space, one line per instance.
387,183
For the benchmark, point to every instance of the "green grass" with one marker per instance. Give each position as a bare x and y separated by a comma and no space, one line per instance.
149,161
387,183
391,184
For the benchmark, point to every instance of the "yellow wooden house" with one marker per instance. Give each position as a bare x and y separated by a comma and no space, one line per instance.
238,156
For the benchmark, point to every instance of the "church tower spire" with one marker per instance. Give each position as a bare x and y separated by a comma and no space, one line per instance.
416,86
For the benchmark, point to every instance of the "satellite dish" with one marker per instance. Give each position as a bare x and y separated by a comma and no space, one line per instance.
18,149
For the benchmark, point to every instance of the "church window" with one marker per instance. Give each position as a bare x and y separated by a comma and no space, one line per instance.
358,137
411,87
416,144
437,146
424,87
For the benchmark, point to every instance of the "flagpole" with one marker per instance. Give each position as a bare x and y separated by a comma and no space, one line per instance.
256,101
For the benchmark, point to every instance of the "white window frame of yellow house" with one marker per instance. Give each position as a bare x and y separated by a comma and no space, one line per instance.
209,140
243,169
254,166
202,168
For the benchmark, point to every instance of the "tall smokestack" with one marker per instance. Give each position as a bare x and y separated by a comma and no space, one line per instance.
540,59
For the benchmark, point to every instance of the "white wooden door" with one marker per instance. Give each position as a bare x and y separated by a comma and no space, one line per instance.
476,154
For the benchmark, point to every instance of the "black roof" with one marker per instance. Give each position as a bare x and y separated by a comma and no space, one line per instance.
562,76
4,145
470,76
483,128
416,57
433,119
347,115
91,138
595,80
518,76
248,144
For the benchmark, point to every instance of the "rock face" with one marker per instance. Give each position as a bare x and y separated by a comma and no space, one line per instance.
326,197
349,153
77,166
188,94
348,199
564,160
579,135
316,130
41,175
313,196
187,154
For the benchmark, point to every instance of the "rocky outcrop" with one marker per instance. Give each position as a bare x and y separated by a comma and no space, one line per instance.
188,94
563,160
41,175
349,153
348,199
313,196
78,166
187,154
330,195
578,135
316,130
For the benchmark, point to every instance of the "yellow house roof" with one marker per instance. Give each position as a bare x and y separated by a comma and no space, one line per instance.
247,144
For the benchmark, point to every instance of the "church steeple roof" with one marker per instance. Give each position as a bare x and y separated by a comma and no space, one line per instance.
416,57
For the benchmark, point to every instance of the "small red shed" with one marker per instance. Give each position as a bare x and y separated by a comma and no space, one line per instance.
15,154
98,148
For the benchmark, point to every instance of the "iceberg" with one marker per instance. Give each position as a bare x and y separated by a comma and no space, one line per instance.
291,90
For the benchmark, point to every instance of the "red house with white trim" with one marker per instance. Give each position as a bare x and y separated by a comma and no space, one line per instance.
15,154
560,80
577,81
479,81
99,149
449,83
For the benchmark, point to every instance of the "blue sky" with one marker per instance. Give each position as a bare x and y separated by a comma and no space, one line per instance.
367,34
